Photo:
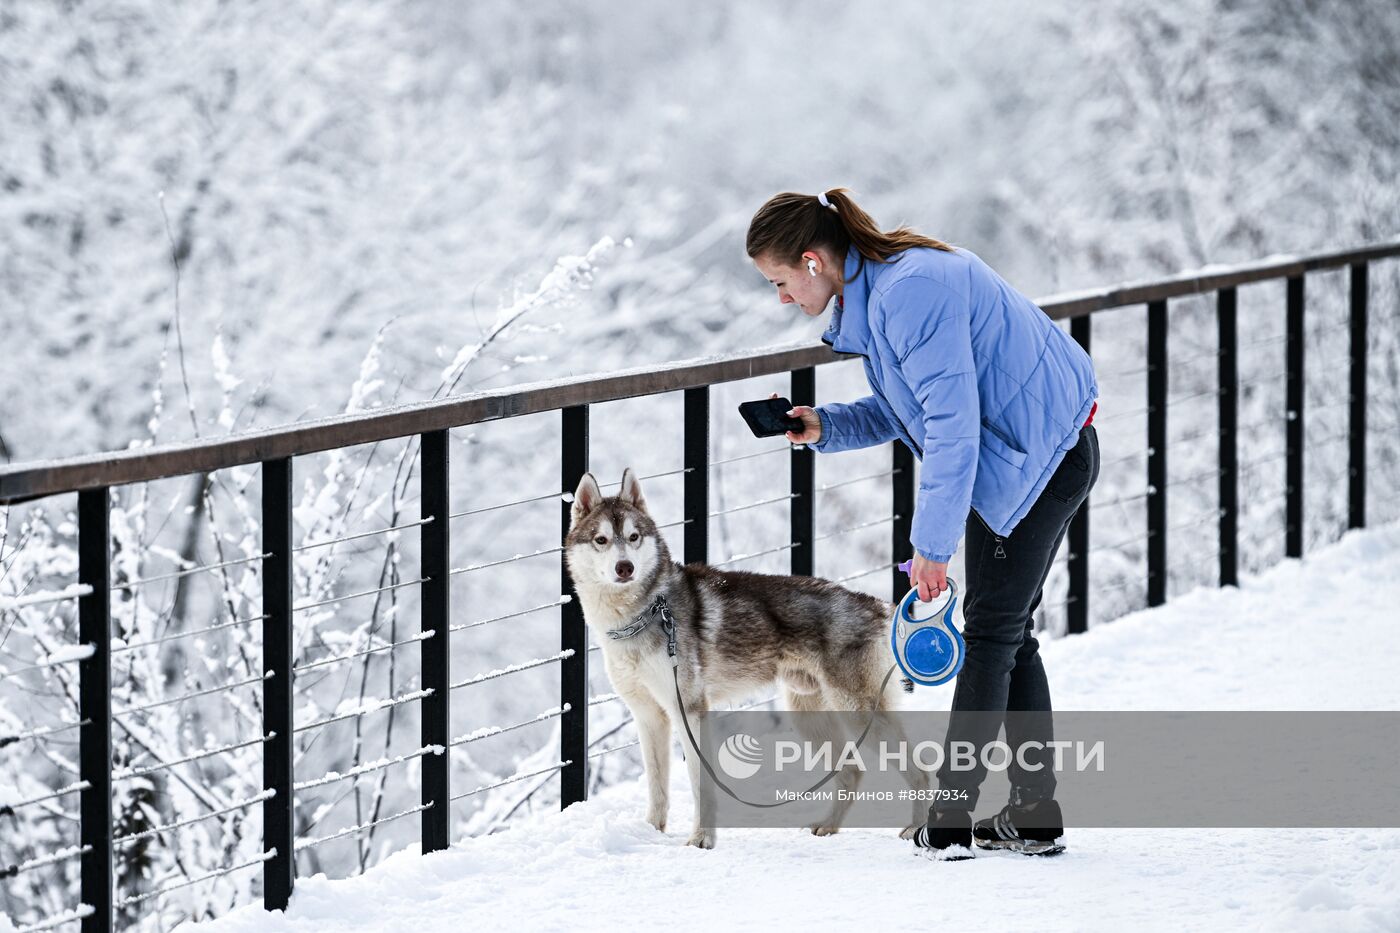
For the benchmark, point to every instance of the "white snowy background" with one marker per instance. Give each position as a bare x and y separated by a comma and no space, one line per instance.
218,216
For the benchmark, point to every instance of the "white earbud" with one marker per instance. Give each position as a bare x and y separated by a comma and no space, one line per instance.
812,266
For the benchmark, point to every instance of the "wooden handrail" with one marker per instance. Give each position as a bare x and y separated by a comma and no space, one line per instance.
24,481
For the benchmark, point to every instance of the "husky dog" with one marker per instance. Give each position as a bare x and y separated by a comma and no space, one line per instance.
736,633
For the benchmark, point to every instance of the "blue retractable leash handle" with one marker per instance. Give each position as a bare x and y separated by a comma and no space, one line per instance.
927,646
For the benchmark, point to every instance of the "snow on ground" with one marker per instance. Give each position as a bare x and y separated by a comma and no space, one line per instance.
1320,634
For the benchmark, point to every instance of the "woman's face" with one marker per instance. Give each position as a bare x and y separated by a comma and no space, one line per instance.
797,285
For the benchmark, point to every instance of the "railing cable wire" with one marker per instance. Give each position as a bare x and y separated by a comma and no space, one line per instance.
180,824
512,615
141,581
218,872
352,830
512,779
362,534
222,688
343,598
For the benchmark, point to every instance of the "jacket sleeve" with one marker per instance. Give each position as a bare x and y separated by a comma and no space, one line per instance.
928,325
849,425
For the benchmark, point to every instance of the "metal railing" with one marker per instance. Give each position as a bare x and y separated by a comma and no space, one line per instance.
93,476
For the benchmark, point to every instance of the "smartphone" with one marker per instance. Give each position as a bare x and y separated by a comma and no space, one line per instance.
768,417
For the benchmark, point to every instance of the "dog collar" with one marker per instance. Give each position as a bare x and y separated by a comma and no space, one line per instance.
658,608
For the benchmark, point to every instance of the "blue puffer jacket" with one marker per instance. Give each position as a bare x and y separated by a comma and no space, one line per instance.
970,374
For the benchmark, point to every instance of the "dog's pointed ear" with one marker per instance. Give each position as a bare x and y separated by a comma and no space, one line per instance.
586,498
632,489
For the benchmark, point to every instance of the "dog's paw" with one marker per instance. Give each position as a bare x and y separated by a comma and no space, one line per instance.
825,830
658,822
702,839
909,831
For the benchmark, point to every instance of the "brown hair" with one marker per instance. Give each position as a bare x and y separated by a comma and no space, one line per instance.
789,223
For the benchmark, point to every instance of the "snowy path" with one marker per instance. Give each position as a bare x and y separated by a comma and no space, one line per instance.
599,865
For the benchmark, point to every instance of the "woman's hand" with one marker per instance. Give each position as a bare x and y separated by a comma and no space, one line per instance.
811,424
931,578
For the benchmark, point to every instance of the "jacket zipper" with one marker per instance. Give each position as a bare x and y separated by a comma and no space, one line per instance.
1000,552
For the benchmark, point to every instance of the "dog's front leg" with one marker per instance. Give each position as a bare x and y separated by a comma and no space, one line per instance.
654,729
702,789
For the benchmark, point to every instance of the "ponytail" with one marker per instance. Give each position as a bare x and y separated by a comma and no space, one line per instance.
790,223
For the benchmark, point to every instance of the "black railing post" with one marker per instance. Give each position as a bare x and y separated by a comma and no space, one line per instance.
902,508
1229,385
1156,453
804,486
95,707
1077,606
279,830
435,650
696,488
573,633
1356,465
1294,430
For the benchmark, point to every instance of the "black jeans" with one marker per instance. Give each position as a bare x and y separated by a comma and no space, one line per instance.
1004,581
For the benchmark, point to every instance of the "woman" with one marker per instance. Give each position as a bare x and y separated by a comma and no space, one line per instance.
997,402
